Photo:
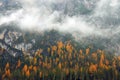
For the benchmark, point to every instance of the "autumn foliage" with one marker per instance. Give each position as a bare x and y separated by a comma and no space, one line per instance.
63,62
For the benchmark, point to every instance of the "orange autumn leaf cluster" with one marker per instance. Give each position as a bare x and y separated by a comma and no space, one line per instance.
63,62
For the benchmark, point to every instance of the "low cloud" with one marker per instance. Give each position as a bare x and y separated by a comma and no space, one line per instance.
50,14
